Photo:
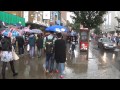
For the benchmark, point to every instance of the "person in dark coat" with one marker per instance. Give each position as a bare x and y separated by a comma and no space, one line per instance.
7,56
20,45
60,54
39,44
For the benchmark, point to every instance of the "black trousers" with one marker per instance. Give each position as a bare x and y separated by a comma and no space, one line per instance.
4,68
20,50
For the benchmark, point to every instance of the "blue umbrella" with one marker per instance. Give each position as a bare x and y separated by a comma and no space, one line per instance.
8,32
56,28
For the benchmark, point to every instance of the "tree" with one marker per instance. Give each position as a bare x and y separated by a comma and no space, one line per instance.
89,19
118,20
97,30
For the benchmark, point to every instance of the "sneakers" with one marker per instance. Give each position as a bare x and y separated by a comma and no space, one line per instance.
61,76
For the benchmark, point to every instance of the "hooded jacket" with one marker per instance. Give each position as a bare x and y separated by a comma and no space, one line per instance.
32,40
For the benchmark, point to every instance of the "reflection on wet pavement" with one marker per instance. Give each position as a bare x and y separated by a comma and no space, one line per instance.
101,65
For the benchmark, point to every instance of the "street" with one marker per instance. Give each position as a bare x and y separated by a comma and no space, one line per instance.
101,65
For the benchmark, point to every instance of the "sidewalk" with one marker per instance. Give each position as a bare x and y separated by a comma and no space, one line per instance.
76,67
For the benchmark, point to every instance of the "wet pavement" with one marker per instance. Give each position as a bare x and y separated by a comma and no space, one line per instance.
101,65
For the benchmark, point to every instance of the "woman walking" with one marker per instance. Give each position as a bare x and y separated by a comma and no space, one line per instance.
7,56
60,54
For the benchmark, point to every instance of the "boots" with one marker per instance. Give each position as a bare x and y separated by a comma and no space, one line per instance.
13,69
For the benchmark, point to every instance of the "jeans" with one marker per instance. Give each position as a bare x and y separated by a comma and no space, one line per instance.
50,62
60,67
32,51
39,50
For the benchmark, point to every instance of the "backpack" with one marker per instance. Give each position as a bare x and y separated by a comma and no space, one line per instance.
49,46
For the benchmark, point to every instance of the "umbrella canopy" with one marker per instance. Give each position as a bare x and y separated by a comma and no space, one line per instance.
10,33
56,28
26,29
2,29
37,31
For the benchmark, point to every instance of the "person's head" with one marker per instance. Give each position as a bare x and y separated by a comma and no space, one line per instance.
51,32
59,35
38,35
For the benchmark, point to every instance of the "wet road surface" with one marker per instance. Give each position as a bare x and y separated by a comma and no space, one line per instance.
101,65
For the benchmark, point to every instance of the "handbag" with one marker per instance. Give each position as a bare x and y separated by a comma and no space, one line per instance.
15,56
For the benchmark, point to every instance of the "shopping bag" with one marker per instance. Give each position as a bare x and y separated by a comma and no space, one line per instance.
15,56
28,47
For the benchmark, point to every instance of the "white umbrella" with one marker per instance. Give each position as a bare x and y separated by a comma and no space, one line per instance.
35,31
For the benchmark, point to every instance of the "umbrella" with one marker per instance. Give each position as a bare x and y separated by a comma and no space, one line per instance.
56,28
2,28
35,31
10,33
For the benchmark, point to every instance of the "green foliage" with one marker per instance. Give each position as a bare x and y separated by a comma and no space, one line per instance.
89,19
97,30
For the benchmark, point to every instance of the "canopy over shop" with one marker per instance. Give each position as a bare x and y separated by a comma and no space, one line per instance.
11,19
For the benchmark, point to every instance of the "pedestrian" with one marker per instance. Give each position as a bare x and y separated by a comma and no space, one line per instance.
60,54
48,45
14,42
7,56
31,42
117,40
20,45
72,47
39,43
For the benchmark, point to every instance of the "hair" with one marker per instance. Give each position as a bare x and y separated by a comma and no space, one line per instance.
59,35
51,32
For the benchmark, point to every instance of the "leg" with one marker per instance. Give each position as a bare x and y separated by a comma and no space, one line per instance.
38,52
57,67
32,51
51,63
3,69
13,68
47,61
19,49
62,67
22,50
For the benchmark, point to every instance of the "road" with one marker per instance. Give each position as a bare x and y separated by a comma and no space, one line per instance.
101,65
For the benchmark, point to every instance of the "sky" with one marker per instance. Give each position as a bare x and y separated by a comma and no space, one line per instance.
68,16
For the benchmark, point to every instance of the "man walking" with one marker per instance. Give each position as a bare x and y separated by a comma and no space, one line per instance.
31,42
60,54
48,45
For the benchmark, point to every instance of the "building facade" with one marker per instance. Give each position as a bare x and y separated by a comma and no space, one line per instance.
64,18
110,21
37,17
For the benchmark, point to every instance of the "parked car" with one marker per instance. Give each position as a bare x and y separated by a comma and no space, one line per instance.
106,43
